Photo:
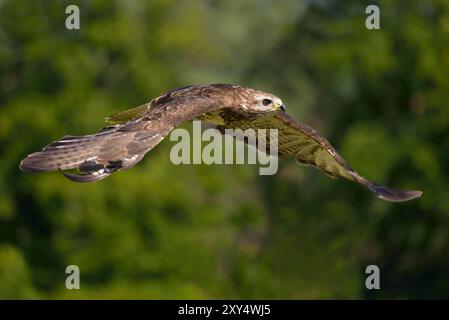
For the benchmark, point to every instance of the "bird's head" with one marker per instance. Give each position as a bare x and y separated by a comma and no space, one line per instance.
266,102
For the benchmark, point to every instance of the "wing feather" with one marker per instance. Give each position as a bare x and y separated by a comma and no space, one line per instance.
310,148
121,146
127,115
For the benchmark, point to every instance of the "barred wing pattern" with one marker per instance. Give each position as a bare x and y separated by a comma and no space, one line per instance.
310,148
122,145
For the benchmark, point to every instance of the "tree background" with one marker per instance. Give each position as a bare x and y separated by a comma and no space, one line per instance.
164,231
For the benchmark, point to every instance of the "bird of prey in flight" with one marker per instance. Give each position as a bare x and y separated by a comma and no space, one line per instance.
132,133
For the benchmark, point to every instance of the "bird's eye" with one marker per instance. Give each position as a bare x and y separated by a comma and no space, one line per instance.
266,102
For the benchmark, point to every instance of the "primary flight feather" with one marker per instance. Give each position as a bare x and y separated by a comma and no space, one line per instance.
132,133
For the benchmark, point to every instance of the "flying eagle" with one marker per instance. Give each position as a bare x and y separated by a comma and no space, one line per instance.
132,133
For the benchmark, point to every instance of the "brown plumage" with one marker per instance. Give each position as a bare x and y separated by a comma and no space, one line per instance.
132,133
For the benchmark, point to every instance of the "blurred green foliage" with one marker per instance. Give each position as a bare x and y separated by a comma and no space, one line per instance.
165,231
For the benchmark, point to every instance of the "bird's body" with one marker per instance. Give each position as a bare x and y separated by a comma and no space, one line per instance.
132,133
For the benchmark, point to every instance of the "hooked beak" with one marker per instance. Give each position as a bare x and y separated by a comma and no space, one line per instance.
282,108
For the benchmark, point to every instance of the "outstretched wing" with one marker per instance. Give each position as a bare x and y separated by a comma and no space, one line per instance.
310,148
120,147
97,155
138,112
128,115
